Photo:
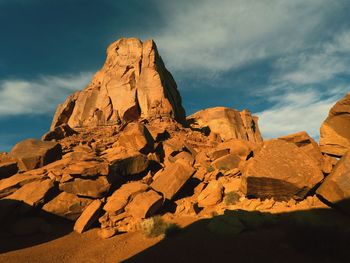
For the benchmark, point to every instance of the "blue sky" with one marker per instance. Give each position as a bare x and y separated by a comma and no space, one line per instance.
286,61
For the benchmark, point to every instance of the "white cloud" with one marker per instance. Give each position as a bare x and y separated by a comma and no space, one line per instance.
220,35
298,111
315,65
39,96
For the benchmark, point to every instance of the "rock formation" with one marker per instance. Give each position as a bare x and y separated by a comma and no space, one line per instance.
133,83
228,123
335,130
121,151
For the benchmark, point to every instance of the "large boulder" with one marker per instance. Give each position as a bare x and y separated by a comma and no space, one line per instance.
335,130
228,123
145,204
137,137
95,188
211,195
32,153
336,187
133,83
11,184
33,193
88,217
120,198
280,170
67,205
171,179
307,144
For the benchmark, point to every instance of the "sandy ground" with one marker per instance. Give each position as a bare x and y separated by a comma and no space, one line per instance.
318,236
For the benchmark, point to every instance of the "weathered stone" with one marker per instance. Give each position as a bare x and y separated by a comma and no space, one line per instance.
67,205
88,217
336,187
145,204
32,153
217,153
11,184
125,163
238,147
171,179
227,162
33,193
59,133
96,188
307,144
335,130
328,163
211,195
87,168
228,123
120,198
184,157
132,83
136,136
280,170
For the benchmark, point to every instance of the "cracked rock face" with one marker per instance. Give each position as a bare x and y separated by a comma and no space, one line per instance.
133,83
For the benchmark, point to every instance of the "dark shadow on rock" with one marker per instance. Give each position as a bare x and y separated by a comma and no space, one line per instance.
318,235
23,226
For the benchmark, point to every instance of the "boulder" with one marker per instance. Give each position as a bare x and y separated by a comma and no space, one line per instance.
133,83
120,198
280,170
11,184
239,147
88,217
58,133
335,130
67,205
171,179
33,193
227,162
96,188
228,123
307,144
125,162
136,136
145,204
91,168
336,187
211,195
32,153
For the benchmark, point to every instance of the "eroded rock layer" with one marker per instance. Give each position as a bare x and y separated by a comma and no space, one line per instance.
133,83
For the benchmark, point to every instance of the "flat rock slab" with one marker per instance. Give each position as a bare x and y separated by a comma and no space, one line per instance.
67,205
32,153
85,187
336,187
88,217
120,198
280,170
170,180
33,193
145,204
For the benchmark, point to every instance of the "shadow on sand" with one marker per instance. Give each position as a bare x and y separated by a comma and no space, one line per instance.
23,226
319,235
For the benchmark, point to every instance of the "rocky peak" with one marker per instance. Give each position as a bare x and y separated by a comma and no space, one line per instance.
132,84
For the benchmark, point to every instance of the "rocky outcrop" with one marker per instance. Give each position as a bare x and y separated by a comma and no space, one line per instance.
32,153
280,170
335,130
336,187
133,83
227,123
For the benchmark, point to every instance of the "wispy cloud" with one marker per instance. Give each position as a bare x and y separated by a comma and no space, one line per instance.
221,35
297,110
40,96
